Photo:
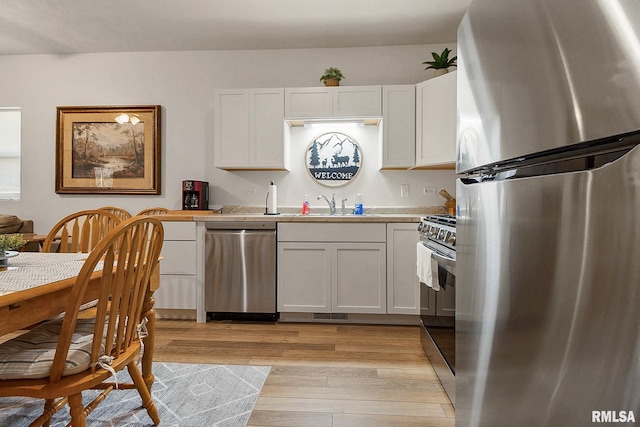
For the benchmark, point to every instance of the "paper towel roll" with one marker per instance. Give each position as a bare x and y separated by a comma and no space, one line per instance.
272,207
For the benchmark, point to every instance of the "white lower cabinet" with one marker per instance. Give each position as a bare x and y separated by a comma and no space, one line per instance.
178,267
177,291
359,282
332,268
403,292
304,277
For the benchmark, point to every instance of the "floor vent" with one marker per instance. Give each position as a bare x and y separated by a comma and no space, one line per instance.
330,316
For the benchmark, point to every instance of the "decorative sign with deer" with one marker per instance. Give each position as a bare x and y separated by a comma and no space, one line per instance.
333,159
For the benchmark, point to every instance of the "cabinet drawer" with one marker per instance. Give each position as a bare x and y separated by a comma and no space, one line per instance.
179,230
176,291
333,232
178,258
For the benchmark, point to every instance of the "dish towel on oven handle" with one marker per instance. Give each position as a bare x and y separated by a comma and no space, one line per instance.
427,267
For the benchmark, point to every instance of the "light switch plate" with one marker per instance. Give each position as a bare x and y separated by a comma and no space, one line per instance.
404,190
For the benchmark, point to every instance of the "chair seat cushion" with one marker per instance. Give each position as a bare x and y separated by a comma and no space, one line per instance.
31,355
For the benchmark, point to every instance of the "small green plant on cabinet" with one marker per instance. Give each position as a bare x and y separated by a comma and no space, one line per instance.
441,61
332,77
11,242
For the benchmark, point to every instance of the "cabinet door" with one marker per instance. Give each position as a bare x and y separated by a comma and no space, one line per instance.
304,277
178,267
436,121
231,129
178,257
398,127
357,101
403,292
249,129
176,292
308,102
266,118
359,278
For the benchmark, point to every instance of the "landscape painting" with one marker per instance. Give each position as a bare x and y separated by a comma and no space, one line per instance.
108,150
333,159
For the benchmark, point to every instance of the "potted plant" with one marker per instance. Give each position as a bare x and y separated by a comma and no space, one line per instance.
9,242
332,77
441,63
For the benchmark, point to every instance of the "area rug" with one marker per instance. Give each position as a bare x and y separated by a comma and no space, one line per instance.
186,395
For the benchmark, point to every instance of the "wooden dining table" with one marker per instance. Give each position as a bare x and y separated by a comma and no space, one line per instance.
37,286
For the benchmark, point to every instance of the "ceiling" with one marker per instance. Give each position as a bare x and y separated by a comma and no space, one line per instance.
81,26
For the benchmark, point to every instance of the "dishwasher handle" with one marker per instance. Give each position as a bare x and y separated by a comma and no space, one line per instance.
240,225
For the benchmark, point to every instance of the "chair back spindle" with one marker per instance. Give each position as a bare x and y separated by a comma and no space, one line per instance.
123,214
80,231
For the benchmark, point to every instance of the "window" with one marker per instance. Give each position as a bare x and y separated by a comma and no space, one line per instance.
10,153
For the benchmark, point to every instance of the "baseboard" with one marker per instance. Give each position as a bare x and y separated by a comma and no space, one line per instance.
374,319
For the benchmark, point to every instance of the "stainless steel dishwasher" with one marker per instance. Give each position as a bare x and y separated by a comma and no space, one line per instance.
240,270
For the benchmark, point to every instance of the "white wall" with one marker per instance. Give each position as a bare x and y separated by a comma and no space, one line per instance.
184,83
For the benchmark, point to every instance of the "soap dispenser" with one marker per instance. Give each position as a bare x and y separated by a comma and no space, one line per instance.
305,205
358,209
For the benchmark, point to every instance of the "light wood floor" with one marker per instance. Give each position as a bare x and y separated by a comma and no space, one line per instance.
322,374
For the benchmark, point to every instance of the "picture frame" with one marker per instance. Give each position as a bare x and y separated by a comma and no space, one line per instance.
108,150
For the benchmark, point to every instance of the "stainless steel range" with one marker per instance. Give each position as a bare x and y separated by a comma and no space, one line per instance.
438,296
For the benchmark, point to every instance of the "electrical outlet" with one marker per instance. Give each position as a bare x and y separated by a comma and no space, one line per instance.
427,191
404,190
250,190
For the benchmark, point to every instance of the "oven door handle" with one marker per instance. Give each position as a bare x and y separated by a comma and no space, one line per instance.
436,254
443,259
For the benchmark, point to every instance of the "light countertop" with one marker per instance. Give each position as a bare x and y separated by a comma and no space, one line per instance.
309,218
243,213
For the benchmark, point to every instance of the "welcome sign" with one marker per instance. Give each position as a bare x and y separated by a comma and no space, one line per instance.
333,158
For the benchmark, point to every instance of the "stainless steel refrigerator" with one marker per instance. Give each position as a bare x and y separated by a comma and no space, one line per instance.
548,220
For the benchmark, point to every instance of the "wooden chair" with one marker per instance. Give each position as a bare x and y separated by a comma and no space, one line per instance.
119,212
154,211
86,352
80,231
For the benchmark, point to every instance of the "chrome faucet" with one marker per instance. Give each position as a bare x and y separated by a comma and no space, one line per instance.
331,203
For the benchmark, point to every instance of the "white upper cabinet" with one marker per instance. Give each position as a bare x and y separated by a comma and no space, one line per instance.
249,129
398,148
357,101
308,102
333,102
436,122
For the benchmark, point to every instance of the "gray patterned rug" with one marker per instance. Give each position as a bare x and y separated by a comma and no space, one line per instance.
186,395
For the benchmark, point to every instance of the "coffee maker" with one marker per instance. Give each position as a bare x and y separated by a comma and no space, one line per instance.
195,195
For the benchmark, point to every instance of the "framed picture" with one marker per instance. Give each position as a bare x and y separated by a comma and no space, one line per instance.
108,150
